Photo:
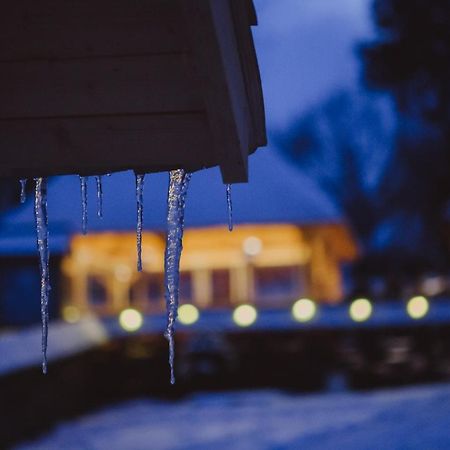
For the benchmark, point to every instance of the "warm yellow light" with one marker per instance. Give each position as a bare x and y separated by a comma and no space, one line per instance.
188,314
360,310
71,314
123,273
252,246
245,315
417,307
304,310
130,320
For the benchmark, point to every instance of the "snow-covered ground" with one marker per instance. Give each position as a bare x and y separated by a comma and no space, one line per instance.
22,348
405,418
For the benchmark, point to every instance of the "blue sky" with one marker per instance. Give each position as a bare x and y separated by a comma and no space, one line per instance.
306,49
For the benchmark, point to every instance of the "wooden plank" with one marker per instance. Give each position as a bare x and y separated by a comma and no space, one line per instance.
32,29
217,65
92,145
141,84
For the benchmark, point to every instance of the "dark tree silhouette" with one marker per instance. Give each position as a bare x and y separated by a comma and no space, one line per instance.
411,56
411,59
345,144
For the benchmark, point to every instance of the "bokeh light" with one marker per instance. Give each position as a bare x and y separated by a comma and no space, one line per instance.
130,320
252,246
245,315
360,310
417,307
188,314
304,310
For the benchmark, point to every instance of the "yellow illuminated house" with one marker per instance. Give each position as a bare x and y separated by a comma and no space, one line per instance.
288,242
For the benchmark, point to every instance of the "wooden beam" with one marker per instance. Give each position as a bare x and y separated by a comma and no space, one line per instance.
243,17
218,67
59,146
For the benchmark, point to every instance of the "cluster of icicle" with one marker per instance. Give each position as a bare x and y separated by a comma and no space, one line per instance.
176,200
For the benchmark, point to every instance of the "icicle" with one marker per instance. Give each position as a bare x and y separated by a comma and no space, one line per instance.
23,192
178,185
230,208
84,212
140,214
40,212
98,182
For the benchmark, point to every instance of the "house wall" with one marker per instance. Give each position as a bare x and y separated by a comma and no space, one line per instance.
267,265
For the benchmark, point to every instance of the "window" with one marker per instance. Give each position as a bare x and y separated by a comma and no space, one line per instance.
185,287
277,286
148,292
96,291
155,288
220,287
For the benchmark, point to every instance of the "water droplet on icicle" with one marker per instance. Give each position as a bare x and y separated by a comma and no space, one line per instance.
98,182
230,208
140,214
23,192
84,211
178,185
40,213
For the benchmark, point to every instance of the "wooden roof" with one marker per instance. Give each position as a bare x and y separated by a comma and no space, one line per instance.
106,85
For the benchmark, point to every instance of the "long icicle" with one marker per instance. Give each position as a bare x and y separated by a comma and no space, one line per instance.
98,182
23,192
84,211
40,213
178,185
140,216
230,208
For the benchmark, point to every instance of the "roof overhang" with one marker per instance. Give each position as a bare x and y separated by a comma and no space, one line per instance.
107,85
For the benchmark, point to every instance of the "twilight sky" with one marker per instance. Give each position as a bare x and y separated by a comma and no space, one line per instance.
306,49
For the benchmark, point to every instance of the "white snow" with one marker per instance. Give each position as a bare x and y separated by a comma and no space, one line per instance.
394,419
20,349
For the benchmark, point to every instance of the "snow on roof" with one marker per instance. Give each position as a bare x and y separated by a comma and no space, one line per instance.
276,193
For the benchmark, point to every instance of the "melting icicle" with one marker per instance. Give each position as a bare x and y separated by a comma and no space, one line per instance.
140,214
230,208
98,182
40,212
84,212
178,185
23,192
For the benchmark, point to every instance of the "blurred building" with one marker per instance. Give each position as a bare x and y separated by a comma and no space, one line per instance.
289,241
